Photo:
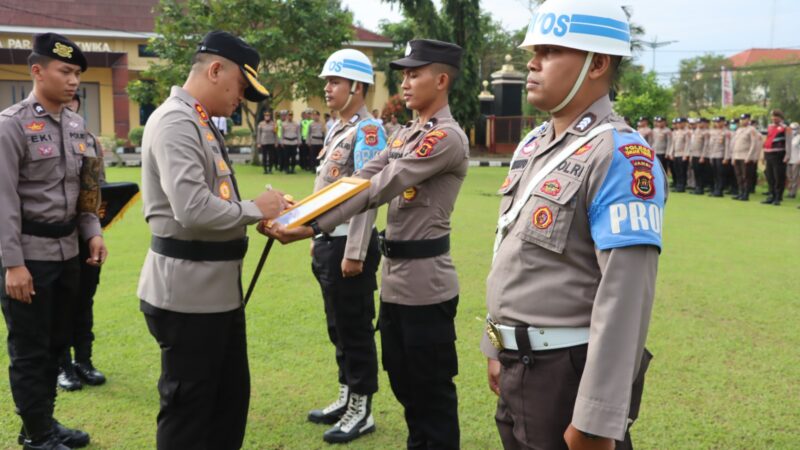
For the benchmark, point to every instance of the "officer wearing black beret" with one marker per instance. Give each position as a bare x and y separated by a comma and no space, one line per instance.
45,160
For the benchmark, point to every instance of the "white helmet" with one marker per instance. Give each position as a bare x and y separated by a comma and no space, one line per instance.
350,64
598,26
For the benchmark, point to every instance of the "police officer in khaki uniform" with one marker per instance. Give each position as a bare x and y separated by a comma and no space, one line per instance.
345,260
746,144
419,174
190,287
316,138
661,140
290,143
265,140
718,143
44,159
678,154
572,282
644,130
392,126
698,149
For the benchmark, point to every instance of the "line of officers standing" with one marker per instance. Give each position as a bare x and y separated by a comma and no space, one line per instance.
718,156
284,143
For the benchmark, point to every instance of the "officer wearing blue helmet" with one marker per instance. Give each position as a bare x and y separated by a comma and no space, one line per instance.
572,281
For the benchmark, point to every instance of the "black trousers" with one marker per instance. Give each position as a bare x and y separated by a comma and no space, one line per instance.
775,173
303,157
349,311
83,312
751,173
718,175
419,355
205,378
730,181
537,400
38,333
680,168
667,165
700,174
268,157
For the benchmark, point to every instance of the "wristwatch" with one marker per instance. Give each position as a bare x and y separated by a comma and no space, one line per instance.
315,226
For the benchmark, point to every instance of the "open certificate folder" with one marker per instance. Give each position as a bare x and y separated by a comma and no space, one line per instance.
321,201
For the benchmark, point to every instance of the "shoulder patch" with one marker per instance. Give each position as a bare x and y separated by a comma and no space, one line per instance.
635,149
585,122
430,140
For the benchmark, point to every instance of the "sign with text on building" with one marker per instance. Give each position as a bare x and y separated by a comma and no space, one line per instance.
27,44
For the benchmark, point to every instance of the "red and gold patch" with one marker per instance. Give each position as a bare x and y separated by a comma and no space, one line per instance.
370,135
82,147
551,187
225,190
203,115
505,183
35,126
410,194
632,150
334,172
583,150
397,143
222,165
642,185
336,155
425,149
210,136
542,218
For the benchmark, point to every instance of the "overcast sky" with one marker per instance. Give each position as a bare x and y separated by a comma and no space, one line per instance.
699,26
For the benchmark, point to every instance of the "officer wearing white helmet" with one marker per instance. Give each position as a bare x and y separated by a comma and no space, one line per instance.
346,260
572,282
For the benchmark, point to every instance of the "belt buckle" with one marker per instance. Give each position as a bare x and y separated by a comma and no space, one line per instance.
382,245
494,334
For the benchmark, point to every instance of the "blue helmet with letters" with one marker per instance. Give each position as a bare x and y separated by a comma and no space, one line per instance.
597,26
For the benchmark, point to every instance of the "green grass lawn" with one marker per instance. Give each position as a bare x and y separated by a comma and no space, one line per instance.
726,372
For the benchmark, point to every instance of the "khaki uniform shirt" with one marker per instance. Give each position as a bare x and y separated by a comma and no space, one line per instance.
41,155
290,133
680,139
698,143
746,143
584,253
647,134
391,127
349,146
419,174
189,193
718,141
661,140
316,133
266,133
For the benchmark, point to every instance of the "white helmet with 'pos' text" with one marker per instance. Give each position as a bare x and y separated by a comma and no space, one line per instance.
597,26
349,64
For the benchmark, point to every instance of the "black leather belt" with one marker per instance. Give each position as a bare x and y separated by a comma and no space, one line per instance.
53,230
200,250
418,249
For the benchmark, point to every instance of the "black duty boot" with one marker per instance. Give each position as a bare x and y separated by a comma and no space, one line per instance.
67,378
38,433
356,421
768,201
69,437
333,412
88,373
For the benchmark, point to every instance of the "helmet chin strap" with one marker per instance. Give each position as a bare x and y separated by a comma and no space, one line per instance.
578,84
352,93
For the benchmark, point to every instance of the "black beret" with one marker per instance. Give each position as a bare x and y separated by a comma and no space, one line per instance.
745,116
58,47
641,118
421,52
246,57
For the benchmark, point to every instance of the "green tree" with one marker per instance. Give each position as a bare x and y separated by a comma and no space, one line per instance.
771,84
698,84
641,95
458,21
293,37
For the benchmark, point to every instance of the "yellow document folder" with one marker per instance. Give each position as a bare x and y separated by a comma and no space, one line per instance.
321,201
